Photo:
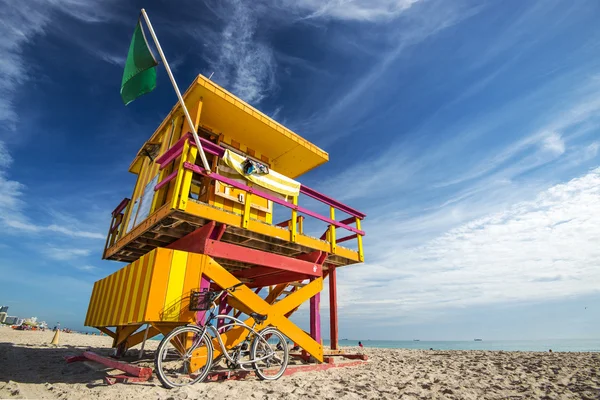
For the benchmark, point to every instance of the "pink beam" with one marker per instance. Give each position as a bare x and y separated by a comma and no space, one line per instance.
175,151
204,285
222,310
120,207
141,372
344,221
168,179
346,238
236,184
285,223
333,316
219,151
315,317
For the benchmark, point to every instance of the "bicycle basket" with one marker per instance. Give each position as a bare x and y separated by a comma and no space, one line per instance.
201,301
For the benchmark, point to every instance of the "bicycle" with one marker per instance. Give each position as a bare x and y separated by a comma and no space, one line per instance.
185,355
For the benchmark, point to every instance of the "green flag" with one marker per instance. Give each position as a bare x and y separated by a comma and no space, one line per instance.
139,76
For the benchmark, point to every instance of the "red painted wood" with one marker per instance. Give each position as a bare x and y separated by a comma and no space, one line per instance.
120,207
315,317
168,179
112,379
218,234
330,201
257,257
346,238
195,241
130,369
314,257
175,151
222,310
286,223
256,272
236,184
346,221
71,359
276,279
333,315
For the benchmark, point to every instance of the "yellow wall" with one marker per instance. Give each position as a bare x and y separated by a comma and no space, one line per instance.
155,288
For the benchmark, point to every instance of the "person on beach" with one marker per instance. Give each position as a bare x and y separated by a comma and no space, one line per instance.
360,345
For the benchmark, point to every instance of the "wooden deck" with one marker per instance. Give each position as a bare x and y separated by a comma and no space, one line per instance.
166,226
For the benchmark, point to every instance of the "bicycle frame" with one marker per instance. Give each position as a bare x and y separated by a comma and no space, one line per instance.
209,327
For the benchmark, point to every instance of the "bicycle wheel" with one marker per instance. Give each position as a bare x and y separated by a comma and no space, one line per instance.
271,351
183,357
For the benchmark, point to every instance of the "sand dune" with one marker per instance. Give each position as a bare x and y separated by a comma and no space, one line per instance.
30,368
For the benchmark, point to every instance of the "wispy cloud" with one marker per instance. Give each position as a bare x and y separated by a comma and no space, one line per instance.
12,207
239,59
22,22
87,268
64,253
531,251
351,10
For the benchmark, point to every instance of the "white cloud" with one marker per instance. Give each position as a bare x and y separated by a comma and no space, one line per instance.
591,150
64,254
240,61
554,143
352,10
12,206
533,251
87,268
5,158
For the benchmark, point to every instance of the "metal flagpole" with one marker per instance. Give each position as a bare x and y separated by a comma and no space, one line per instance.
185,111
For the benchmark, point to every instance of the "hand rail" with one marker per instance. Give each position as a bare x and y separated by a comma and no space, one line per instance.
237,185
219,151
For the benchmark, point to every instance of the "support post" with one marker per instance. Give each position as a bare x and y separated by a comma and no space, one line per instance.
333,316
144,342
222,310
204,285
315,317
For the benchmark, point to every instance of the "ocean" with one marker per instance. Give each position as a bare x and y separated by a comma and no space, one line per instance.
587,345
505,345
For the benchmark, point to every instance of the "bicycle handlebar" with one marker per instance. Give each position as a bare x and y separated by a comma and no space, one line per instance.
232,288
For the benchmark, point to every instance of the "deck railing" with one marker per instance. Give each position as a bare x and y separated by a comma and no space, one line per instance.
185,150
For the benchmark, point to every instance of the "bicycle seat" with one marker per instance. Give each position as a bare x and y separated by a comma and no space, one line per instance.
258,317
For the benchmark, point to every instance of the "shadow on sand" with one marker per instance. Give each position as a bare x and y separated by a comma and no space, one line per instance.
41,365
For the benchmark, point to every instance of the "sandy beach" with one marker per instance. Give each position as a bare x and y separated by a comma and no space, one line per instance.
31,368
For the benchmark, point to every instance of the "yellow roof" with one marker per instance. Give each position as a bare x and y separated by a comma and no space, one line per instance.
223,112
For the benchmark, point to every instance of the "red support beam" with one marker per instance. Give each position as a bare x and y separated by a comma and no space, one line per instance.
140,372
315,317
218,233
333,316
120,207
346,238
194,242
276,279
244,254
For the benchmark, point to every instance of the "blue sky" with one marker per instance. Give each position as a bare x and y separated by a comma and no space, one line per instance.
466,130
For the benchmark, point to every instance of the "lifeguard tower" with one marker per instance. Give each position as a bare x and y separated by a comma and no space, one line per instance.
185,228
